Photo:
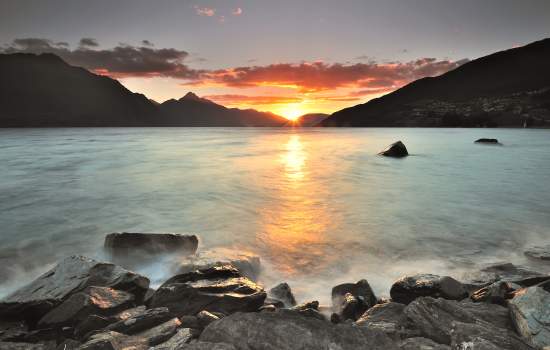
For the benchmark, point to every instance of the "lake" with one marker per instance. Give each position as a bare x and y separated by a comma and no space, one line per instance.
317,205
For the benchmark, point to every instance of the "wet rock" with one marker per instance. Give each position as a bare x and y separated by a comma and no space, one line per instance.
435,317
114,341
126,243
396,150
160,333
248,264
283,293
540,252
205,318
268,308
286,329
530,313
307,305
496,293
22,346
92,301
390,319
70,276
419,343
485,140
141,321
207,346
216,289
352,307
178,341
505,272
274,302
408,288
484,336
361,290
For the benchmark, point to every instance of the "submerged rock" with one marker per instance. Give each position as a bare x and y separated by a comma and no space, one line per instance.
70,276
216,289
530,313
288,330
282,293
396,150
408,288
485,140
541,252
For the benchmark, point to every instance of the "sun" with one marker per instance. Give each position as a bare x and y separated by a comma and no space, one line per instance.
291,111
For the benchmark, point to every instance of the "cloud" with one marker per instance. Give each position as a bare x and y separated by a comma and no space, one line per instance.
232,99
119,62
147,43
205,11
237,12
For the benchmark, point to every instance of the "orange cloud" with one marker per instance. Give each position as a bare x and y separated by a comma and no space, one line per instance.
205,11
231,99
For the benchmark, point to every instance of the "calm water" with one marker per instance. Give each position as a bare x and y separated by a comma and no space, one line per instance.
317,205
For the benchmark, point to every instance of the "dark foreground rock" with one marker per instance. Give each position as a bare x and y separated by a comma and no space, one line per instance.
503,272
22,346
70,276
539,252
141,321
408,288
396,150
419,343
530,313
217,289
283,293
127,243
286,329
390,319
351,300
485,140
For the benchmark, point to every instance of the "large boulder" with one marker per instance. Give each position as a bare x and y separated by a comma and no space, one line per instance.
538,252
248,264
408,288
217,289
285,330
282,293
396,150
70,276
435,317
530,313
390,319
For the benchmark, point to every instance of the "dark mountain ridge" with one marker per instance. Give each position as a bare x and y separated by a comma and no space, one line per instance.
508,88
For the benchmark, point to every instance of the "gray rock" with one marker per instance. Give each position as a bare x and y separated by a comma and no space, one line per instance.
408,288
68,344
90,324
178,341
141,321
114,341
419,343
484,336
361,290
286,329
160,333
352,307
207,346
435,317
396,150
70,276
540,252
505,272
307,305
22,346
390,319
12,330
282,293
216,289
92,301
496,293
126,243
530,313
205,318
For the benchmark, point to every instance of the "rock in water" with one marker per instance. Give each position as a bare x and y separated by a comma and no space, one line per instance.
396,150
409,288
283,293
538,252
484,140
216,289
126,243
70,276
287,330
360,290
530,312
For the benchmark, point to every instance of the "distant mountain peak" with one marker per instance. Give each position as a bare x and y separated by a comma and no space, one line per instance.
191,96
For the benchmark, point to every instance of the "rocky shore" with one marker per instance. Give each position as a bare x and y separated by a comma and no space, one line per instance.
215,302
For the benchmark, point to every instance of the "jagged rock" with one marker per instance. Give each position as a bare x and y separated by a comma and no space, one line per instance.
70,276
282,293
268,308
361,290
248,264
190,322
485,140
22,346
352,307
68,344
307,305
216,289
12,330
541,252
435,317
408,288
93,300
505,272
178,341
396,150
133,312
114,341
160,333
273,302
530,313
200,345
286,329
419,343
388,318
484,336
141,321
126,243
90,324
205,318
496,293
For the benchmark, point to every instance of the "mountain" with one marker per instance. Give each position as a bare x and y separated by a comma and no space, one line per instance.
306,120
509,88
44,91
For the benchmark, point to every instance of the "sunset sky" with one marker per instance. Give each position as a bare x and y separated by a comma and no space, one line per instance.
286,56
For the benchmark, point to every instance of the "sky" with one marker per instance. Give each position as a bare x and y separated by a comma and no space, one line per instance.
285,56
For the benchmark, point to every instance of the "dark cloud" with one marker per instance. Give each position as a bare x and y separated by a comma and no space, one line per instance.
252,99
119,62
88,42
147,43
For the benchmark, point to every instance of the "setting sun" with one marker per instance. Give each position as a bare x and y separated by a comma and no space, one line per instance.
291,111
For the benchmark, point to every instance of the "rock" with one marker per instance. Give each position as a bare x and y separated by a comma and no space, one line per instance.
484,336
207,346
541,252
114,341
205,318
126,243
248,264
141,321
286,329
283,293
307,305
360,290
22,346
352,308
70,276
190,322
92,301
530,313
484,140
133,312
419,343
388,318
68,344
12,331
396,150
496,293
409,288
216,289
160,333
268,308
90,324
435,317
505,272
181,338
274,302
